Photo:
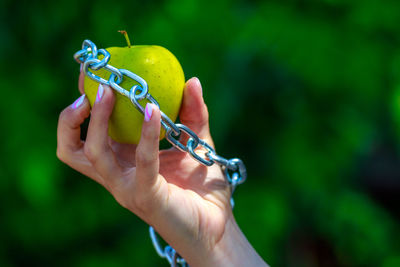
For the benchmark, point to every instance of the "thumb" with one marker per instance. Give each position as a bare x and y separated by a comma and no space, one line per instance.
147,161
194,113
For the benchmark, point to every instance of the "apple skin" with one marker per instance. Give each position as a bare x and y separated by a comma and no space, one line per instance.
164,76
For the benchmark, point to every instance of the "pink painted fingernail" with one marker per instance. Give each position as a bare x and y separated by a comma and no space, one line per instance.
78,102
100,93
81,67
148,111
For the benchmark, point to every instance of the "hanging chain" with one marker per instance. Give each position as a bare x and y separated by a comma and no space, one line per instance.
234,169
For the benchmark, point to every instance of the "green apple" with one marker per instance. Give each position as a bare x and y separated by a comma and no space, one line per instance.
164,76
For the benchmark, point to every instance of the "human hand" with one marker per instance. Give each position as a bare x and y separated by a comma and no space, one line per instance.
185,201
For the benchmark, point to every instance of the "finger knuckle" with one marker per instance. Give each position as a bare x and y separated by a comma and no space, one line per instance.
61,155
144,159
63,115
150,135
91,153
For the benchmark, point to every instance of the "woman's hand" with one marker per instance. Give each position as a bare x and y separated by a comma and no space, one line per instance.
186,202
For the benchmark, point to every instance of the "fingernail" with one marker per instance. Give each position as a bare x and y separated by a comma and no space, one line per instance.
199,85
81,67
148,111
78,102
100,93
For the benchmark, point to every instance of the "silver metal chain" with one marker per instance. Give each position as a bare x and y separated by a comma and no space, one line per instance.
234,169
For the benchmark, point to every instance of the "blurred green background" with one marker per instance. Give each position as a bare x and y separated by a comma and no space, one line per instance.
307,93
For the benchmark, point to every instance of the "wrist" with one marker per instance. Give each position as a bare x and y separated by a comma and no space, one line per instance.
233,249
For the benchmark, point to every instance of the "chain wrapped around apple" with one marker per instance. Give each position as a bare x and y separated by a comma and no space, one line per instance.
164,76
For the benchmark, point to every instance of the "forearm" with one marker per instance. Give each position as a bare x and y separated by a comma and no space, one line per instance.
232,250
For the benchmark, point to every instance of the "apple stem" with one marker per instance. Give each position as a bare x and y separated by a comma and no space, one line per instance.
126,37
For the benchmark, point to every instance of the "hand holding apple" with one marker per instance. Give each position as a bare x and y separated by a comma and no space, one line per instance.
186,202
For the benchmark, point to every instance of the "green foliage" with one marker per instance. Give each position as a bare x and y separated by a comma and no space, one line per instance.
306,92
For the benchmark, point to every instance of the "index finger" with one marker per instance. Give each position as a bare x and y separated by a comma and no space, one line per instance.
69,124
69,143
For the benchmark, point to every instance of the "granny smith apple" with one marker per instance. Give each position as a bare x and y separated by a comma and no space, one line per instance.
164,76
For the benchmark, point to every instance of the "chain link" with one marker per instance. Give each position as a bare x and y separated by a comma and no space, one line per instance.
234,169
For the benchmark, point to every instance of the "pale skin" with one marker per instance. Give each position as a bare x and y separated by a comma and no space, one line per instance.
187,203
